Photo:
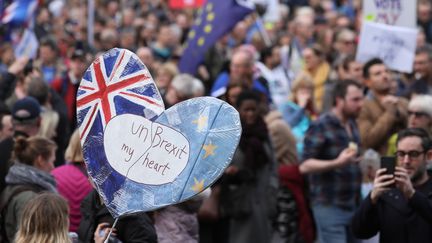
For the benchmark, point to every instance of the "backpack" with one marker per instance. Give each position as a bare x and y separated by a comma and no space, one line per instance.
287,220
4,203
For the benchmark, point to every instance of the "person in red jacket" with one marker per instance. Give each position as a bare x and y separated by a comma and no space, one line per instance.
68,84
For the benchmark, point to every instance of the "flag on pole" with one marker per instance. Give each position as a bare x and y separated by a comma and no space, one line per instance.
90,22
180,4
215,19
28,45
19,12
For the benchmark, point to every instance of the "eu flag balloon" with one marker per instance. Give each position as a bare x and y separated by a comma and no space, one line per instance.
140,156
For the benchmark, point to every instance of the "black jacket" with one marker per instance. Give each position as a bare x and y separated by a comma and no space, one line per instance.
130,229
396,219
420,86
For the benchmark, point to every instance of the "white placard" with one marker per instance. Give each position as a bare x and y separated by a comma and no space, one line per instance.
394,45
144,151
28,45
392,12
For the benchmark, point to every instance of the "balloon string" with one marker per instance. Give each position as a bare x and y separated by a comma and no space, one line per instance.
111,230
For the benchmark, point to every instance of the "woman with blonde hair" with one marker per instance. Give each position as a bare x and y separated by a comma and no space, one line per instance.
71,178
299,110
318,69
44,219
164,75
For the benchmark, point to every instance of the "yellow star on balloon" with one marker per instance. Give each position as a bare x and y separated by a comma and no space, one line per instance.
198,186
201,122
209,149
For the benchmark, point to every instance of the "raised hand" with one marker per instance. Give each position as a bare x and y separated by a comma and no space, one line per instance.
347,156
382,183
101,233
403,182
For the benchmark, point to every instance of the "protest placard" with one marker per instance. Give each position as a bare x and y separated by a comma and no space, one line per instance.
394,45
391,12
28,45
140,156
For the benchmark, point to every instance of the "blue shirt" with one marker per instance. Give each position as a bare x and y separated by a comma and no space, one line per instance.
220,86
48,73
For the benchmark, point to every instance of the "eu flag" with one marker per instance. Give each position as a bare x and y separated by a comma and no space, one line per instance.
215,19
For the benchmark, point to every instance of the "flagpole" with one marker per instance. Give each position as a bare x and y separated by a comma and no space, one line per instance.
90,22
261,30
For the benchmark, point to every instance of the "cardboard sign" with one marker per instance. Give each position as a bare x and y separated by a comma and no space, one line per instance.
394,45
145,148
391,12
140,156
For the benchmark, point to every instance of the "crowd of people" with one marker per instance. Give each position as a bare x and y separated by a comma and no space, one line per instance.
315,123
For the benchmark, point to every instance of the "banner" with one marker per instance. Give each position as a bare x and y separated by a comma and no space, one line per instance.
394,45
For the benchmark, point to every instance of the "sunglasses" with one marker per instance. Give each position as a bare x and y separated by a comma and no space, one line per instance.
348,42
417,113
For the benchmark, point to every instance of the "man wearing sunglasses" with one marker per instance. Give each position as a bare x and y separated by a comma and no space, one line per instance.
399,206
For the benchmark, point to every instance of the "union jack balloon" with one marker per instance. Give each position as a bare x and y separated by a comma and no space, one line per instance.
140,156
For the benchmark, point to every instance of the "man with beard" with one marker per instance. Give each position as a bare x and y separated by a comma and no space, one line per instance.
278,77
331,159
422,73
399,206
383,113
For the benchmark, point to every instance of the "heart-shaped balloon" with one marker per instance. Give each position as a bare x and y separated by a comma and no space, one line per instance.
140,156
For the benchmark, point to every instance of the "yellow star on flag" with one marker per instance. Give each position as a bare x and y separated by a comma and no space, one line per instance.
209,7
198,186
210,16
201,41
209,149
191,34
208,28
201,122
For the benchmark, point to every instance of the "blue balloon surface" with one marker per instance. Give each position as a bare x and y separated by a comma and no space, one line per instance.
118,87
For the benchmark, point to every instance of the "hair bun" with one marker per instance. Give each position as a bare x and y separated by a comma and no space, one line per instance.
21,144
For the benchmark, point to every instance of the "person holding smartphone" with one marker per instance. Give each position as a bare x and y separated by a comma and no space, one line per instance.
399,206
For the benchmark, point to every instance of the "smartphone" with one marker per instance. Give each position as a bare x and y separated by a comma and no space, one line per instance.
388,162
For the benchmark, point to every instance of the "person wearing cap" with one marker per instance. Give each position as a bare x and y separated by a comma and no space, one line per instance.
67,85
26,122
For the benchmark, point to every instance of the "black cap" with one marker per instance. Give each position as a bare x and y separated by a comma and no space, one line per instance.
26,109
78,54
